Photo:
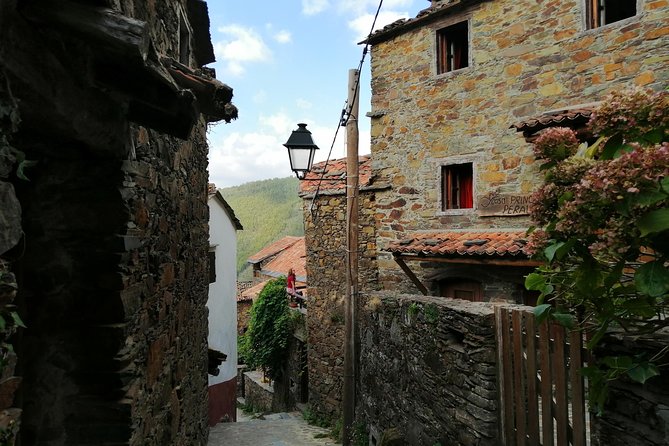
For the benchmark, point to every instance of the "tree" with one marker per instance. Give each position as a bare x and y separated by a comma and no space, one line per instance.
603,229
265,344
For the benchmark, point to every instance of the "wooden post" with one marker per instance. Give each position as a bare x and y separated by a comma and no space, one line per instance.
350,342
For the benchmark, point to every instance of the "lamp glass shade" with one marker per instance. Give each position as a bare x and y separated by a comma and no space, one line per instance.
301,150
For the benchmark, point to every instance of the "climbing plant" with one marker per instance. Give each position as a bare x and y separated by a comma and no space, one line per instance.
602,219
265,343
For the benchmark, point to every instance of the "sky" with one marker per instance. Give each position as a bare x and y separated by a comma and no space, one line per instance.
288,62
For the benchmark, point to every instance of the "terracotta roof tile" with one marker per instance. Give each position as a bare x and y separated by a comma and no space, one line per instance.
334,176
273,248
578,115
436,9
252,293
295,256
502,244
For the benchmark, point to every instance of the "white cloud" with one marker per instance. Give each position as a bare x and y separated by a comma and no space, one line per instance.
303,104
313,7
362,24
283,36
260,97
243,46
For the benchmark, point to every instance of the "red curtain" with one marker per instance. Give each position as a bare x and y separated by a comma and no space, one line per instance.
466,192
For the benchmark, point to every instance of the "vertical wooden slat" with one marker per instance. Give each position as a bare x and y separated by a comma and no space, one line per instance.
501,372
560,370
518,384
576,381
532,406
508,379
546,386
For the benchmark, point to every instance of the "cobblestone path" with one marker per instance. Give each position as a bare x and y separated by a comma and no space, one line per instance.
282,429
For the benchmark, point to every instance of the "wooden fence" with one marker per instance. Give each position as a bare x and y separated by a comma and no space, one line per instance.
542,391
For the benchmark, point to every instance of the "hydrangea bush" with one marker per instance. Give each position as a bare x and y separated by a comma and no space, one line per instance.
602,219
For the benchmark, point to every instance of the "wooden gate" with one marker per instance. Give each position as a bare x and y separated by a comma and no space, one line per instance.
542,391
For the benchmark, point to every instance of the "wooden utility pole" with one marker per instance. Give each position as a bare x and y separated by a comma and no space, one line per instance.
350,342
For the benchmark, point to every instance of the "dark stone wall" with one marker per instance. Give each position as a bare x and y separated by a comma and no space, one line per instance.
325,237
428,368
113,272
635,413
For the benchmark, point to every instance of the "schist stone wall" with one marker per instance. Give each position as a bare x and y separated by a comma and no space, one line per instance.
525,58
428,369
113,273
635,413
325,236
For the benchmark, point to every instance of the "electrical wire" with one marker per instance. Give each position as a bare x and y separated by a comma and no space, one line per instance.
345,114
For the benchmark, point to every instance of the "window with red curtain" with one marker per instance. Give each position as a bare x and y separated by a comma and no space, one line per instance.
457,186
452,48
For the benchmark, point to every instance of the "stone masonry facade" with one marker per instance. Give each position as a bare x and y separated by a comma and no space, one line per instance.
325,235
525,58
113,270
428,370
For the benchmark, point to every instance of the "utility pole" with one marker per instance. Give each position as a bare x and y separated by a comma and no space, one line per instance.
351,303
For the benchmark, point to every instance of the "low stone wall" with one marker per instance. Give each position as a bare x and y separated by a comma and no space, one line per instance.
634,413
428,369
258,394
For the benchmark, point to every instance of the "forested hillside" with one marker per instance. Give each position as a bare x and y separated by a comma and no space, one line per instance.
268,210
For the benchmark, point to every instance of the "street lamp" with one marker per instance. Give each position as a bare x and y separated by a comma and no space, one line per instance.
301,150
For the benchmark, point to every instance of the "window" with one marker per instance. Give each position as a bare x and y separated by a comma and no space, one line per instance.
457,186
184,40
212,266
603,12
452,48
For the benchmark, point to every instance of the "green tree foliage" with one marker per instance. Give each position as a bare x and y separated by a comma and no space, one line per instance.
603,214
268,210
265,344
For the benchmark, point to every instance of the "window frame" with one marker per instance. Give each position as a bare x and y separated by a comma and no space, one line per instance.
185,38
211,256
441,27
590,23
451,161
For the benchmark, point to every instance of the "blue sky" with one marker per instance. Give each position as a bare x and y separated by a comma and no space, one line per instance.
288,62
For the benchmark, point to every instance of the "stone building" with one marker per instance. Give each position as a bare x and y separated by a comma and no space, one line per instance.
458,94
112,103
451,88
325,236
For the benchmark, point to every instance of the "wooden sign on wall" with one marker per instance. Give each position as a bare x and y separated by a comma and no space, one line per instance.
507,205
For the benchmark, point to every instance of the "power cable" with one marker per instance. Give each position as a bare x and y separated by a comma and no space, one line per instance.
345,113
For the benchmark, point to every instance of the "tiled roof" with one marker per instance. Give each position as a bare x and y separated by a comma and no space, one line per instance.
334,176
252,293
502,243
295,256
273,248
578,115
437,9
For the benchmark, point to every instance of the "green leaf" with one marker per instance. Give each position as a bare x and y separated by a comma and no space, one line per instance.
664,184
642,372
654,221
567,196
652,279
535,281
639,307
612,147
21,167
17,319
542,312
618,362
550,250
564,319
3,323
654,136
599,334
547,165
647,198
